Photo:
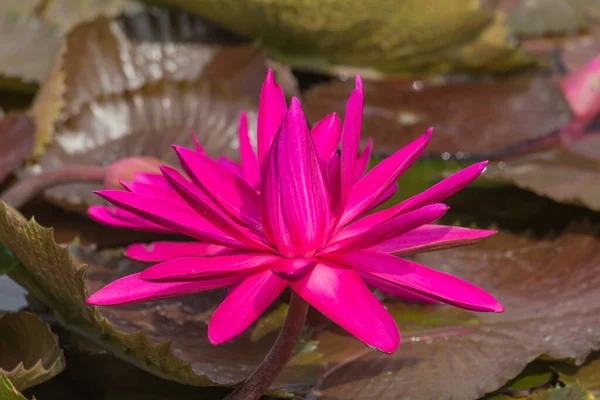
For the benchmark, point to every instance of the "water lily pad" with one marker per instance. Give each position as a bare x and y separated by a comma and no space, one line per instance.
472,117
167,339
550,289
32,32
137,84
29,351
16,136
377,37
566,171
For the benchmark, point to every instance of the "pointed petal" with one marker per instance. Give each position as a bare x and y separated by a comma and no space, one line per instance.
207,267
231,166
432,237
581,91
394,290
162,251
206,208
152,179
367,190
387,230
197,144
351,138
231,193
385,196
156,192
420,279
363,161
177,220
304,193
248,157
271,111
339,293
244,305
327,134
107,216
132,289
334,185
292,269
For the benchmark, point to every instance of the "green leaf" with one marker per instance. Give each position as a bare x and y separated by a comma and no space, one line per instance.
8,391
550,289
167,338
376,37
7,260
29,351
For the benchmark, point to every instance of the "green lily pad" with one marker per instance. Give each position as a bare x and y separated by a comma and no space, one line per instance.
167,338
29,351
550,289
377,37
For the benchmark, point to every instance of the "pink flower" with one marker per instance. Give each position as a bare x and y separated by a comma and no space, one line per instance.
292,215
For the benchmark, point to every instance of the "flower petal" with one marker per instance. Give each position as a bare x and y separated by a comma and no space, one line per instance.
231,166
327,134
156,192
163,214
339,293
434,194
432,237
244,305
161,251
394,290
152,179
367,190
304,193
351,139
132,289
228,191
420,279
387,230
205,207
292,269
363,161
249,160
187,268
107,216
271,111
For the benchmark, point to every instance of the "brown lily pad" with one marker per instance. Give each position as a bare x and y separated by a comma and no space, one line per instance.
550,289
567,171
473,117
16,136
135,85
29,351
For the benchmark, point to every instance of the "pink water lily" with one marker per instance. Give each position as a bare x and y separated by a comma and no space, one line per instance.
295,213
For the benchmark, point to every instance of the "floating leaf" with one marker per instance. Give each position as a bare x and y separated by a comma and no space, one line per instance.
376,37
135,85
32,31
473,117
565,171
16,136
7,390
29,351
550,289
167,338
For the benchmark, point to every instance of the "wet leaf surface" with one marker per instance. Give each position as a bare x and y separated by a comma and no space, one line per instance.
16,136
29,351
377,37
165,338
32,32
566,171
550,291
135,85
468,118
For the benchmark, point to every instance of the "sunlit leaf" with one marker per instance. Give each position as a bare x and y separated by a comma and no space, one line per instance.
473,117
550,289
29,352
8,391
137,84
377,37
32,31
16,136
565,171
167,338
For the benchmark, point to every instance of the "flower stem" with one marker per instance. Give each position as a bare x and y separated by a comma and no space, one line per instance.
29,187
280,353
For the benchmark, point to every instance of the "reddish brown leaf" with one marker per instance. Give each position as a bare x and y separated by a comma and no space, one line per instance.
16,138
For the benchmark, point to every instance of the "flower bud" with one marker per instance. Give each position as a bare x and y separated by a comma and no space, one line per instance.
126,169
